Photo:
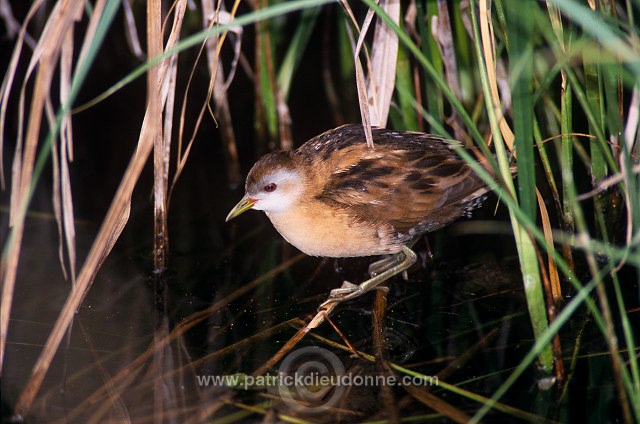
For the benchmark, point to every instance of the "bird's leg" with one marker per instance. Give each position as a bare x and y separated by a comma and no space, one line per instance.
380,266
351,291
390,261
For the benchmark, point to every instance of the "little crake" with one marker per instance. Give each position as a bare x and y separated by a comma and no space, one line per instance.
336,197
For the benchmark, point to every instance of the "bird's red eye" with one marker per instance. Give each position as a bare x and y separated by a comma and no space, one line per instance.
270,187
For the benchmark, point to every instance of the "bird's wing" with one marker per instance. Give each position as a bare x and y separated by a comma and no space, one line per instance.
400,181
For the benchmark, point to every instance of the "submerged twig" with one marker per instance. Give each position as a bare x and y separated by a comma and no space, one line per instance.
379,337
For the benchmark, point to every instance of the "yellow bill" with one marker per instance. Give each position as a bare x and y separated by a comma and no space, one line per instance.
243,205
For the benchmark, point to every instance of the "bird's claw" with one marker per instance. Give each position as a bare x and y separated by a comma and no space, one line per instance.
347,291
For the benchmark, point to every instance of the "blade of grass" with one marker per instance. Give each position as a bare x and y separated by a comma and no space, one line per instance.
444,36
265,89
154,121
113,221
363,96
296,50
61,19
579,93
583,291
214,81
428,67
442,32
384,59
7,84
130,31
222,111
294,54
66,152
197,38
430,51
488,68
524,243
446,409
464,52
185,326
634,394
531,227
404,85
434,381
556,288
544,339
345,49
612,87
576,216
521,38
566,160
328,58
593,90
593,24
520,50
632,142
56,200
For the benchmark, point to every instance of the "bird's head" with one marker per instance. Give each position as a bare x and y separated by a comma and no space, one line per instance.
273,185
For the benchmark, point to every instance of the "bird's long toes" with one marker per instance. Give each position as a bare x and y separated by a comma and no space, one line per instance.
331,300
346,294
341,294
382,265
